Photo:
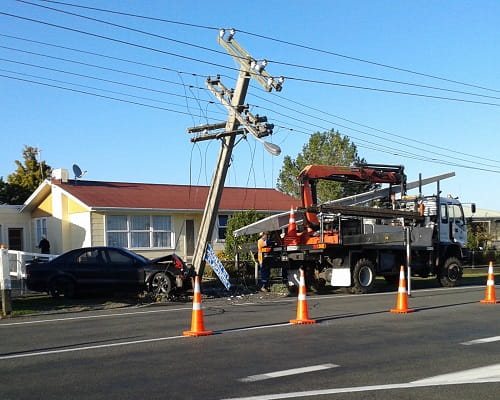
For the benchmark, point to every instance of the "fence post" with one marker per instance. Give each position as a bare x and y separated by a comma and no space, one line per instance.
5,285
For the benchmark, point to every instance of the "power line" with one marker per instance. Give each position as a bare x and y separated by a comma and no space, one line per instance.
114,92
117,40
98,95
366,133
169,93
367,61
390,91
164,92
398,153
127,28
90,77
287,77
407,153
271,61
366,126
191,73
303,46
94,66
230,68
385,149
169,21
101,55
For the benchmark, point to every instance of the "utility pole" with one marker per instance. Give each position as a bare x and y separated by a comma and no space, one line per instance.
234,101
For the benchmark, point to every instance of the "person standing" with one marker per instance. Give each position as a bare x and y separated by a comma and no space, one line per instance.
264,267
44,245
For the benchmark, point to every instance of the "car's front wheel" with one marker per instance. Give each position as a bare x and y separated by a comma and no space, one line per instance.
160,284
62,286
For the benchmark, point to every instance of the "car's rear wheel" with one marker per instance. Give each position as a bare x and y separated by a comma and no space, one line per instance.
62,286
160,284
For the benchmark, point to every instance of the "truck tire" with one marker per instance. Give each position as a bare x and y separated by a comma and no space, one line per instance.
363,276
450,273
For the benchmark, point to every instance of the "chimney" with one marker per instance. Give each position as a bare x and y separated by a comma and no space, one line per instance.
60,174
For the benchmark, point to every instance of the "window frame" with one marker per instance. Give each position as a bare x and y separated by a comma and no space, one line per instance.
39,233
222,238
129,230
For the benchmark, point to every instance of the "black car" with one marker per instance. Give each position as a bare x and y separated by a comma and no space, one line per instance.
108,269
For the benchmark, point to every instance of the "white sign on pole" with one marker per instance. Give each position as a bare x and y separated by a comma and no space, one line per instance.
212,259
4,270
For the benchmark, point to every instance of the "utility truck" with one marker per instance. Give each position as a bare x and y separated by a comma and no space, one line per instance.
349,245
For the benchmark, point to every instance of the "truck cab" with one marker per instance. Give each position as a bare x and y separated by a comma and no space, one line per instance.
452,227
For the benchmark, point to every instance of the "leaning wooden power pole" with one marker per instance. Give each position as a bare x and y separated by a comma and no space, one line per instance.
234,101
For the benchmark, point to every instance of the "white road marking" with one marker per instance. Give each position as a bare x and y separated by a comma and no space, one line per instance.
99,346
489,374
288,299
123,314
481,341
102,346
287,372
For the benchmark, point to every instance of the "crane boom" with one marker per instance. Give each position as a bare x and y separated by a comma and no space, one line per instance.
375,173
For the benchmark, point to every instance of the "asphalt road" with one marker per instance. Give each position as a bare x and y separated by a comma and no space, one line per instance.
449,348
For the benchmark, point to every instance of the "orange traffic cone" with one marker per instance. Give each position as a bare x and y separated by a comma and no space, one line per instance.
302,314
489,297
197,326
292,226
402,300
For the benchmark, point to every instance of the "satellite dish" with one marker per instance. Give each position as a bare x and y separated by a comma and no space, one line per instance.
78,171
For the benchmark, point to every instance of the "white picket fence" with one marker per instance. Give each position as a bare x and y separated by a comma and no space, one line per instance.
13,268
18,260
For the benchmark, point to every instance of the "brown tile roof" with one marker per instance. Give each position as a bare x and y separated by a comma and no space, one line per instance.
173,197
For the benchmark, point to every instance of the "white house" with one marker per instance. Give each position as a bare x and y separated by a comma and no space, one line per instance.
151,219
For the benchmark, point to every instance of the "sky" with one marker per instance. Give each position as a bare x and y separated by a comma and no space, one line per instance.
413,83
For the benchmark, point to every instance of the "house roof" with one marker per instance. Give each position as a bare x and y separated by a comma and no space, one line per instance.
481,213
109,195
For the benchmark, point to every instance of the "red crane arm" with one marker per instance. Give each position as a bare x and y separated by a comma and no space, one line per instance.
390,174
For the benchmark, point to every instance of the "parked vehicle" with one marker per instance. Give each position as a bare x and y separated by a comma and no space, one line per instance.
349,245
107,269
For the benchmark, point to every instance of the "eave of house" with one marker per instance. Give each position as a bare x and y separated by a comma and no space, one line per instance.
42,192
37,197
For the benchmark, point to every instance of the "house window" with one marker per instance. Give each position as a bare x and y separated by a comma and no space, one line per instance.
40,229
139,231
222,227
117,230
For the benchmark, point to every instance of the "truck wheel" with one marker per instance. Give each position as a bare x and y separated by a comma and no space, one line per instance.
363,276
451,273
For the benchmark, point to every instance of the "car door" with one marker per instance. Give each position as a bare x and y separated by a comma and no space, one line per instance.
126,271
89,270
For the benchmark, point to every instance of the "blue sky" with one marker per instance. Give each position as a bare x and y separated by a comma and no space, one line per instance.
119,141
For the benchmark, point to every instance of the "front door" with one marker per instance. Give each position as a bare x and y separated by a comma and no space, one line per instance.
16,239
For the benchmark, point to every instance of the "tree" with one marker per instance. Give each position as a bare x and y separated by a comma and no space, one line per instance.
327,148
239,220
478,237
27,177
